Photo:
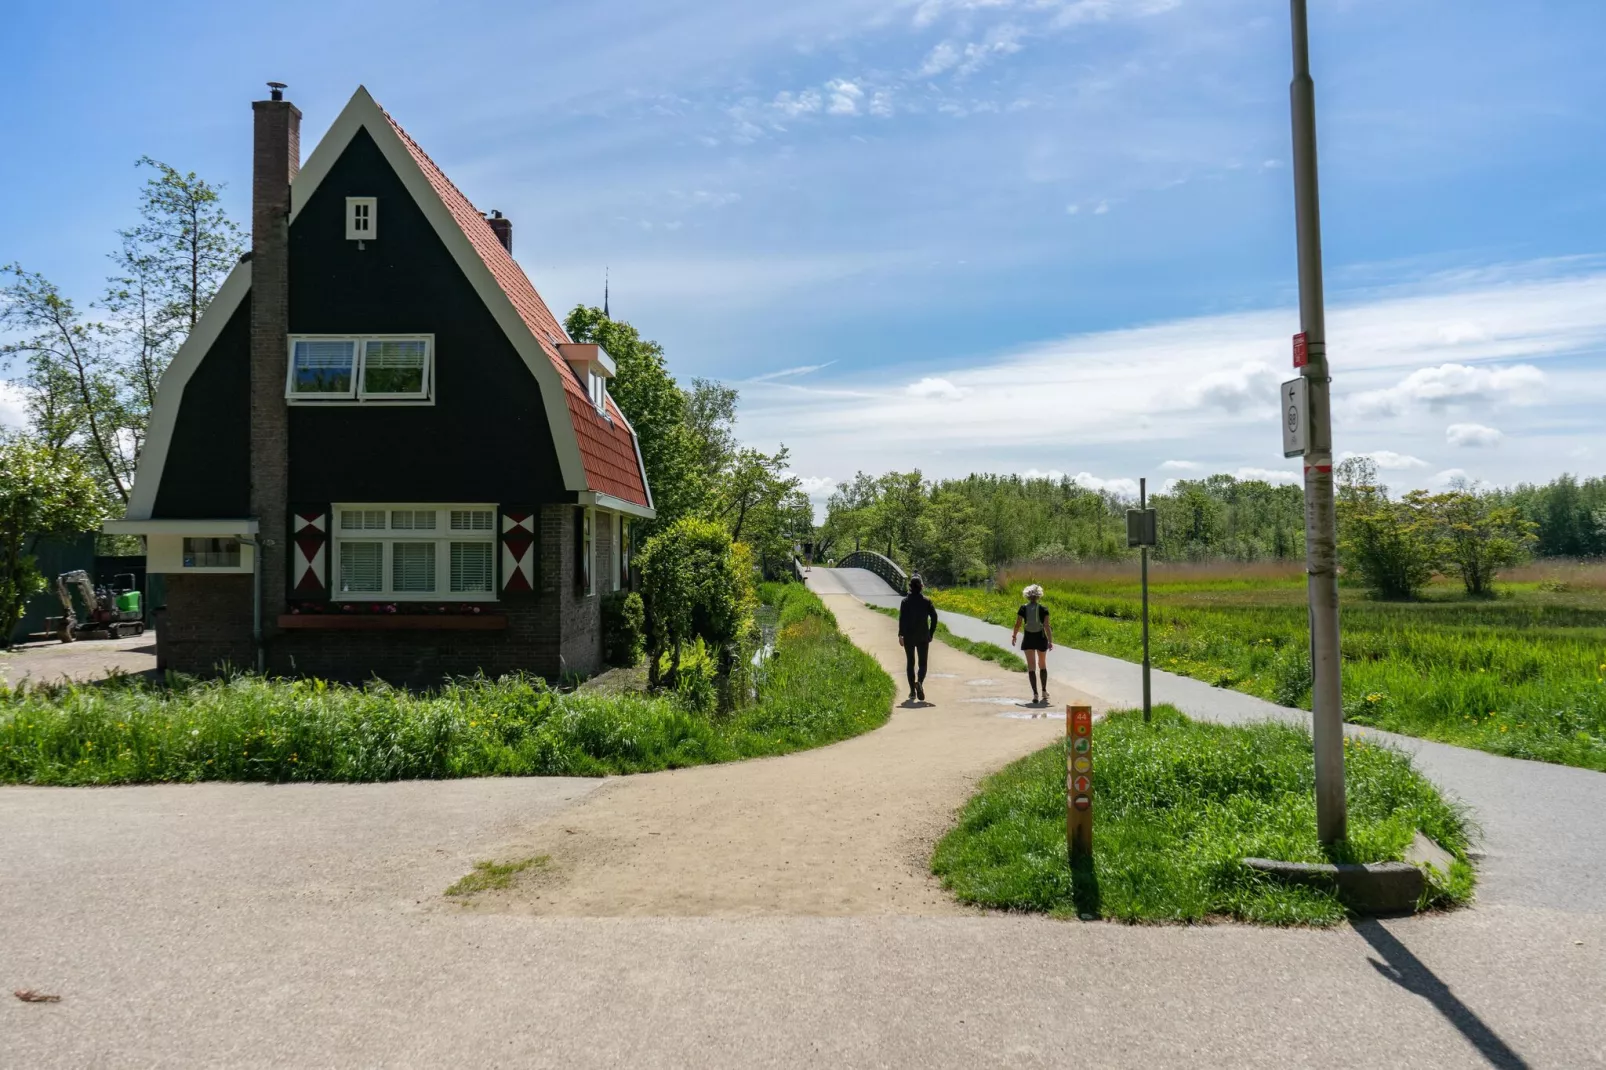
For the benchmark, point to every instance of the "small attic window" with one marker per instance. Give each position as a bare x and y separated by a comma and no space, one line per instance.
362,218
599,392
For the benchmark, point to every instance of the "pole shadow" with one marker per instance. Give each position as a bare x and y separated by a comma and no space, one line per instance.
1410,973
1085,895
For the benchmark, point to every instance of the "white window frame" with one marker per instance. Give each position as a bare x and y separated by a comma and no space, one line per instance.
442,536
588,549
597,386
355,232
357,394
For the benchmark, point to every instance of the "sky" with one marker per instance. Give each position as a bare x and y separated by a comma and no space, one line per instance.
1033,236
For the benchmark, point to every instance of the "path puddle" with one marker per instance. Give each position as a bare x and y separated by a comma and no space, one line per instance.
1029,715
996,700
942,675
980,683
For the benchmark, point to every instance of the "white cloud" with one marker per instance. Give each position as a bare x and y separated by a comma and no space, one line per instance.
941,58
1180,466
1126,488
1455,384
1053,474
1079,11
789,373
1248,385
805,103
881,103
931,387
1270,475
1388,460
1452,477
1472,436
1102,209
845,97
815,486
13,405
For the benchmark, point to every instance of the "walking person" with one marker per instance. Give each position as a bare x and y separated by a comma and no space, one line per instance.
917,624
1038,641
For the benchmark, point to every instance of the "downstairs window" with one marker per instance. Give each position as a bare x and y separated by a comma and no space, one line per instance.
414,552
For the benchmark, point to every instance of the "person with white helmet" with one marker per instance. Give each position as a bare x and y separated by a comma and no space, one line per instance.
1038,641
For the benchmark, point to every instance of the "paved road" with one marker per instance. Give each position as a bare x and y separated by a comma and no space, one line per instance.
88,659
234,925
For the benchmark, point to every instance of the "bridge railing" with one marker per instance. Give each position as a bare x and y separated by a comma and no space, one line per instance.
882,566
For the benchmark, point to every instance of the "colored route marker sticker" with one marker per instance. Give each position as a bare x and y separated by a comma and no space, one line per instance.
1082,785
1082,802
1082,764
1080,746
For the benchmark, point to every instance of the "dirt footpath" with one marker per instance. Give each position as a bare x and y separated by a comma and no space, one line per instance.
841,830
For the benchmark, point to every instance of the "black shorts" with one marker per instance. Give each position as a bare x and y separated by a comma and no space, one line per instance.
1034,641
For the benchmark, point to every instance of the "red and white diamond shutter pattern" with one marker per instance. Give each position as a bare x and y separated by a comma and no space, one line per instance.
311,538
518,550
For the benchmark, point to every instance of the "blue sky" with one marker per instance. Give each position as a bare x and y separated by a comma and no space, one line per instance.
1050,235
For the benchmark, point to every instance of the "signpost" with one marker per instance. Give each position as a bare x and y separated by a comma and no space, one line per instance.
1141,531
1078,780
1321,534
1296,417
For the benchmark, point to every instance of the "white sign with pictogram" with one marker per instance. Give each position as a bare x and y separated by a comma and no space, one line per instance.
1295,406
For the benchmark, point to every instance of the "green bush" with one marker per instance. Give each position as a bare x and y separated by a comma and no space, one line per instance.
696,584
623,628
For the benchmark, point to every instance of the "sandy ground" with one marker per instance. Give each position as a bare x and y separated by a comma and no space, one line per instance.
841,830
87,659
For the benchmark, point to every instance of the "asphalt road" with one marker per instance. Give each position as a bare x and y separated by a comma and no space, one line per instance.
238,925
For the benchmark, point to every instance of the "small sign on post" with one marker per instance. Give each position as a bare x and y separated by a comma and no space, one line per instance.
1079,780
1295,397
1301,349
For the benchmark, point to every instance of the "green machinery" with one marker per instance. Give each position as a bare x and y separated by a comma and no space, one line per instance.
109,612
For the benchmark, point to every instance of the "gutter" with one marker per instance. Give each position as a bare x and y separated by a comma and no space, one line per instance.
256,599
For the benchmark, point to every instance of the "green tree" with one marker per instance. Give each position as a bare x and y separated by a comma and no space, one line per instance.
696,584
1478,536
1389,544
44,492
949,549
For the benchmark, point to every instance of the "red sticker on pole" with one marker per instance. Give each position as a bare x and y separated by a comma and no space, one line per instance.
1082,721
1301,350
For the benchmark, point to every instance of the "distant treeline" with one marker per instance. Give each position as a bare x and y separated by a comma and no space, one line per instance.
957,530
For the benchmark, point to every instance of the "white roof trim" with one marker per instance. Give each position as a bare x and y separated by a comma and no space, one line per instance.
170,392
362,112
617,505
180,527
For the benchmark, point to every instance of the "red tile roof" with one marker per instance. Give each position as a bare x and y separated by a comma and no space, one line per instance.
607,447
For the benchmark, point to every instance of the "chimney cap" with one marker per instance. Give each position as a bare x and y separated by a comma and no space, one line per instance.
276,90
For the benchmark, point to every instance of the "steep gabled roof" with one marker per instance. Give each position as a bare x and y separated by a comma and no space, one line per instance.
607,443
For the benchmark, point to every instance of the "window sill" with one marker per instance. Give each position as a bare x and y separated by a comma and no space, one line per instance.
394,622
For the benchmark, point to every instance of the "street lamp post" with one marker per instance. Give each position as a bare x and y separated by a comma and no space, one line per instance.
1321,529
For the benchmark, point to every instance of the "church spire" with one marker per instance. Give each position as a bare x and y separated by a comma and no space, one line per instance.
605,295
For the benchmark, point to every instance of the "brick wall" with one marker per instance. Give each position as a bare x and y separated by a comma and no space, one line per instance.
207,623
276,159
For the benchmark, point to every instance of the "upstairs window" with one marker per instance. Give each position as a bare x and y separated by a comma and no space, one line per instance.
359,368
415,552
362,218
599,391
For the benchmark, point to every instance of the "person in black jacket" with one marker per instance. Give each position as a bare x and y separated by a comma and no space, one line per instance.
917,624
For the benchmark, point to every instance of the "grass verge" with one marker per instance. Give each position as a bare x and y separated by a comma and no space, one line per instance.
1178,804
1007,659
486,876
1522,675
816,688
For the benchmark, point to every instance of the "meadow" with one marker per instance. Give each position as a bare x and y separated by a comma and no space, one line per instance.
815,688
1522,674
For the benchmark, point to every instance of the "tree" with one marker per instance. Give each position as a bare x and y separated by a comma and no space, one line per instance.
951,539
696,584
1478,536
1389,544
711,422
44,492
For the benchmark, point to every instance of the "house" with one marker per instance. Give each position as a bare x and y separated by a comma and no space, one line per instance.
379,452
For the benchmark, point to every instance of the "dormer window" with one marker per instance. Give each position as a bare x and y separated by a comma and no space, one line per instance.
362,218
593,367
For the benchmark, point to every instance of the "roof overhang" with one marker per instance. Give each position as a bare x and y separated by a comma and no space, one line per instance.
240,526
588,357
617,505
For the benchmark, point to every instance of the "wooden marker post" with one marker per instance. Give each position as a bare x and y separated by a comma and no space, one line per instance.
1079,780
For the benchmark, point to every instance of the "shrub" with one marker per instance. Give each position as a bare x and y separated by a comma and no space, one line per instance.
623,628
1389,544
696,584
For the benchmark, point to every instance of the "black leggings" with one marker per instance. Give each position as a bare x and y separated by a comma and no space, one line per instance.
909,651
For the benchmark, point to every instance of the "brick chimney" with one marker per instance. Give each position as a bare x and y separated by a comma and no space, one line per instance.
275,160
503,228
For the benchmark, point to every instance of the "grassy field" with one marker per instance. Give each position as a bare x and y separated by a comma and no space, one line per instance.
1179,804
1522,674
1006,659
816,688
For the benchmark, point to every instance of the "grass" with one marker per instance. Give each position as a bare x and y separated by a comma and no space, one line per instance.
985,651
1522,674
1177,805
490,875
816,688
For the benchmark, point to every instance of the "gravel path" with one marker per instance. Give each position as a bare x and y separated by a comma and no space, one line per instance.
87,659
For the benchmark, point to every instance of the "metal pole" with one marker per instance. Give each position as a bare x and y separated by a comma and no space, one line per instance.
1143,505
1321,533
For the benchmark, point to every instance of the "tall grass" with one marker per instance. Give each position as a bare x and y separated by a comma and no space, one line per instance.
815,688
1522,675
1179,804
